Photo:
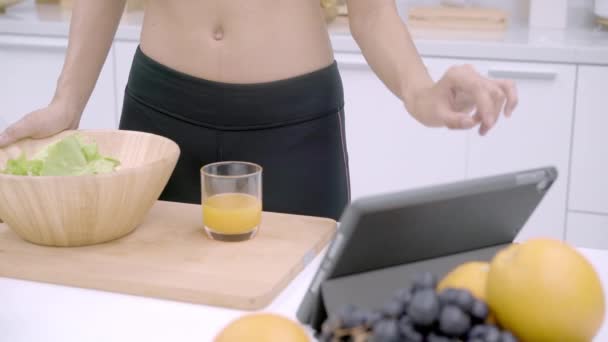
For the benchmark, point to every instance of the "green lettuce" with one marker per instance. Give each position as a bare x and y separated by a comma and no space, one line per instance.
23,167
70,156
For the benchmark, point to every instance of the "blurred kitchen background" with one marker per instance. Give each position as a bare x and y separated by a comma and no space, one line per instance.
555,50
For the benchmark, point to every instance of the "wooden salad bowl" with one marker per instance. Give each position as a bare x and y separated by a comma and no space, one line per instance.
87,209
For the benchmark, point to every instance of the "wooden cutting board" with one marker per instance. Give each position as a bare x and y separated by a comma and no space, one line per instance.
168,256
459,18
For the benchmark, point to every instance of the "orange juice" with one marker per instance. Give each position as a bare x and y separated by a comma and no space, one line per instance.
232,213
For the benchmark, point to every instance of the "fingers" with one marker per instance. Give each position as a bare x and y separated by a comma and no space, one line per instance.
489,96
455,120
21,129
498,101
485,109
509,89
463,102
465,78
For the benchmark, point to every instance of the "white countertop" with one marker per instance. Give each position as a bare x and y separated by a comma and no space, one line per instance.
31,312
580,44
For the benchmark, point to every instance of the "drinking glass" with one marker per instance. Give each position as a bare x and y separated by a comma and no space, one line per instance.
231,194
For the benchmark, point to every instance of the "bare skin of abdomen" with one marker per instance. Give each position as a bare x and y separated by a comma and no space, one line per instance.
246,41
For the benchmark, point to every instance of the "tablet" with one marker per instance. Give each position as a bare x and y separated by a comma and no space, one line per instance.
430,223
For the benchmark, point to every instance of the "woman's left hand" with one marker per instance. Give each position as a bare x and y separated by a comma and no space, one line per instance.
463,99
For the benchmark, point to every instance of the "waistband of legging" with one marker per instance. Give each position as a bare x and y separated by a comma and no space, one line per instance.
235,106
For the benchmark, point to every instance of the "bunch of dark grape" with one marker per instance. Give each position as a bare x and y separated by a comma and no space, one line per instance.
417,314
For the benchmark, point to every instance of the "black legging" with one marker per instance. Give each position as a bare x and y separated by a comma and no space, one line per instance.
293,128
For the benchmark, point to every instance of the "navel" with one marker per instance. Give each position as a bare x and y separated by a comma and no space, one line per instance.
218,33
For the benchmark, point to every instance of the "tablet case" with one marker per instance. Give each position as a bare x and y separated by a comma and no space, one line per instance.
372,255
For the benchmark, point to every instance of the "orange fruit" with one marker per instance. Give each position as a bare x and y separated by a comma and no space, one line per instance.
545,290
263,327
470,276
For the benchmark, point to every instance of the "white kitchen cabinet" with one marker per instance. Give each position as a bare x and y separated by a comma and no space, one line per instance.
537,135
589,184
587,230
123,57
390,151
29,69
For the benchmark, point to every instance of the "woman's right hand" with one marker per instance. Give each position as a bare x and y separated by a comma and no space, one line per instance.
41,123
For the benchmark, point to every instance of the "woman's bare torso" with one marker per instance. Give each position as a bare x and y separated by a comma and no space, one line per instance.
237,41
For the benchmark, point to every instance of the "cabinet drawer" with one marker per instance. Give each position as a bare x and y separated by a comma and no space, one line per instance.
589,184
587,230
537,135
389,150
